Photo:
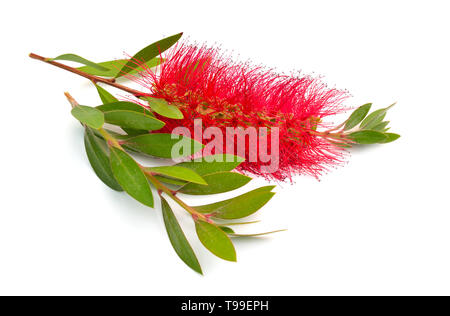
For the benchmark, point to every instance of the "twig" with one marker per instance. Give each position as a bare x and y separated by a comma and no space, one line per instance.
92,78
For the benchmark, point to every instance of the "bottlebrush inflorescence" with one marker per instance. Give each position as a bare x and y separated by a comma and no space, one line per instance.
192,83
209,86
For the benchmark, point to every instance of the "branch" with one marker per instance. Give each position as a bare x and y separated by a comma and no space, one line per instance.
92,78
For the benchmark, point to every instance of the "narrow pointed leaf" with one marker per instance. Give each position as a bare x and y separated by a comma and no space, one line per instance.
148,53
134,132
114,66
89,116
215,240
381,127
177,238
375,118
367,137
212,164
226,229
390,137
125,106
240,206
357,116
130,176
165,109
179,173
96,150
162,144
218,182
169,180
105,96
81,60
132,119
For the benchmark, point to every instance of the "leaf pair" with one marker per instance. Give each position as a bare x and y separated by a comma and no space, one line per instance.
123,114
200,177
239,206
215,170
98,155
117,169
215,238
130,115
206,175
114,67
159,106
211,236
146,57
372,129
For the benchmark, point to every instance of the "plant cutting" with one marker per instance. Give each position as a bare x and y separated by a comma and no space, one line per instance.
217,121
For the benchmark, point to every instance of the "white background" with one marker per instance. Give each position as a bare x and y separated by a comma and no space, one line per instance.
379,225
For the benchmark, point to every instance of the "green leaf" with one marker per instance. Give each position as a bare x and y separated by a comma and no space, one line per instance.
218,182
212,164
215,240
357,116
144,118
114,67
169,180
123,105
105,96
375,118
161,145
390,137
96,150
163,108
177,238
132,119
81,60
226,229
134,132
89,116
367,137
381,126
240,206
127,106
130,176
178,173
148,53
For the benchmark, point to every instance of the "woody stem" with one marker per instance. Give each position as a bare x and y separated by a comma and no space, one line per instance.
162,188
92,78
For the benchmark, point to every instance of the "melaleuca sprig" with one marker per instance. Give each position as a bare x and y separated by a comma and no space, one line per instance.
107,153
189,83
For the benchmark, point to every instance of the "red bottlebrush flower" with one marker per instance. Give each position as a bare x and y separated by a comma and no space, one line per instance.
205,84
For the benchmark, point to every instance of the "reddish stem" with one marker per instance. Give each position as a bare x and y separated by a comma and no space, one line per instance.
92,78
